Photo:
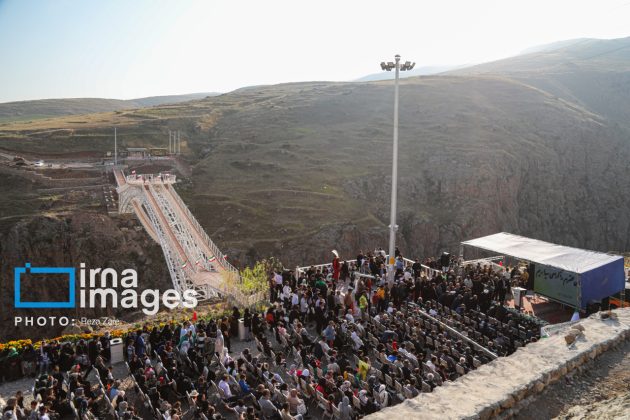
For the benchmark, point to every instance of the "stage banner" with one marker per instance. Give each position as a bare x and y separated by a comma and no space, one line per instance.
557,284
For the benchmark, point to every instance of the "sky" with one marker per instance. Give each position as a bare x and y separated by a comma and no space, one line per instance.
135,48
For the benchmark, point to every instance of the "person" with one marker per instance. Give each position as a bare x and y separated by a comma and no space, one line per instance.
106,350
294,401
219,344
267,408
356,340
345,410
383,396
330,332
286,415
247,320
224,384
336,267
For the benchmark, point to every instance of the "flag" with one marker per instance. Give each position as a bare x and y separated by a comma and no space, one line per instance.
185,264
212,259
194,317
197,262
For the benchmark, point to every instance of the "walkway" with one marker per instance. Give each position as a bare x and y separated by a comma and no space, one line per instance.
194,261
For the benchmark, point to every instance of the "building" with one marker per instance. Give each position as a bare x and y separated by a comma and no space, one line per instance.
137,153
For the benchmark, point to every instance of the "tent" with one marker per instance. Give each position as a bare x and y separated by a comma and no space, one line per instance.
570,275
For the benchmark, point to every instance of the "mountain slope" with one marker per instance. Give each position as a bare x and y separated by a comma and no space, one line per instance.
593,73
46,108
417,71
295,170
298,169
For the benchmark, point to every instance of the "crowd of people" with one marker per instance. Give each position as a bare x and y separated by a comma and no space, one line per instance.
338,341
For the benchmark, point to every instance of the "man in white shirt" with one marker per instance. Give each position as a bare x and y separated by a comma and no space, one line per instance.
278,278
225,387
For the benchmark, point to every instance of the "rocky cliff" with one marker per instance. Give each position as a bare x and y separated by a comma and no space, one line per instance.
66,241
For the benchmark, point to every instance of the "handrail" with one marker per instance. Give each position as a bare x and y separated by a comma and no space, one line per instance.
454,331
430,270
184,240
215,250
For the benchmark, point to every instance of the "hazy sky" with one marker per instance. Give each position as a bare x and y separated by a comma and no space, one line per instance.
134,48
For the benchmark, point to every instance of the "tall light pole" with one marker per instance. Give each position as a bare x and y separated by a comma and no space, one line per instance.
115,149
393,227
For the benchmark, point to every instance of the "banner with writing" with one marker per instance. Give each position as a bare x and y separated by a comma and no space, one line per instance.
557,284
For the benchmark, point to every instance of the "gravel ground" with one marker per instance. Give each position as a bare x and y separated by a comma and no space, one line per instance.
602,391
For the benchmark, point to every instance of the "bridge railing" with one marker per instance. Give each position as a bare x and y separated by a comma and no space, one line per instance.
173,260
140,179
221,259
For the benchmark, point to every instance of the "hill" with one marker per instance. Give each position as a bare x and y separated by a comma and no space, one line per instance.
295,170
46,108
417,71
593,73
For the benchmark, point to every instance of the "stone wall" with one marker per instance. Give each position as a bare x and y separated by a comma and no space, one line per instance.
500,387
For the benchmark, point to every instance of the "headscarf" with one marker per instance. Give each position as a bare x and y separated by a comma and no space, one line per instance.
344,407
363,396
345,386
219,343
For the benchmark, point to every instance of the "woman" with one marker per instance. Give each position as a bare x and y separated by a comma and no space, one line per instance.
336,265
368,406
345,409
383,396
219,344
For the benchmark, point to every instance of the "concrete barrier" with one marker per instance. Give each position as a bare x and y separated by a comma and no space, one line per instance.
500,388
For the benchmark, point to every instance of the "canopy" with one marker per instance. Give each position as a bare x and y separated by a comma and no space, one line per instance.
563,257
570,275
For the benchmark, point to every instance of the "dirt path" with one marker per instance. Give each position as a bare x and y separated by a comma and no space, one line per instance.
600,392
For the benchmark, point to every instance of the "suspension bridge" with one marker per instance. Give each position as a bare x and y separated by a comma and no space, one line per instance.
193,260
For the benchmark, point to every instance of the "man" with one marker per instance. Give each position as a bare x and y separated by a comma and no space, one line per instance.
224,385
360,259
320,315
416,267
330,332
43,413
245,389
107,351
267,408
